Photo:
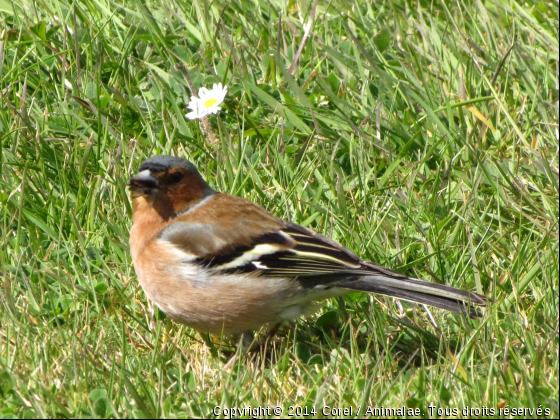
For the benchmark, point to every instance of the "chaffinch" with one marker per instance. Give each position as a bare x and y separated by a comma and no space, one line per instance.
223,265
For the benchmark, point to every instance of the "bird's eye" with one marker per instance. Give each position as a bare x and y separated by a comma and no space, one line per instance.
176,177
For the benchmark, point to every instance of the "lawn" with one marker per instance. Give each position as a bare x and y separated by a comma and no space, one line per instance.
421,135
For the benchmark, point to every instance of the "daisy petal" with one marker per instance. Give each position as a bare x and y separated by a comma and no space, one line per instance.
208,102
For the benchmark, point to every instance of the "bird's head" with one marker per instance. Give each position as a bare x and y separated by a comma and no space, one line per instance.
170,185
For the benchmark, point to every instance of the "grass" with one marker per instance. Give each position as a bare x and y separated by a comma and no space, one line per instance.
422,135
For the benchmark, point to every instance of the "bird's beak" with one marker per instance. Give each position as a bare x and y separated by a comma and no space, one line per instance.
144,182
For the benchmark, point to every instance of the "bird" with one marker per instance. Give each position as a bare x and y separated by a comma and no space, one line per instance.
223,265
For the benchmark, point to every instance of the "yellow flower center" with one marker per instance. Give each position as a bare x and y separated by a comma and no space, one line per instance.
210,102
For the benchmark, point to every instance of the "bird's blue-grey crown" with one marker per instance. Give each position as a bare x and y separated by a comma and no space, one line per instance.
161,163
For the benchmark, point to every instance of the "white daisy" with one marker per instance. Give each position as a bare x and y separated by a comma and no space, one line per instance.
208,101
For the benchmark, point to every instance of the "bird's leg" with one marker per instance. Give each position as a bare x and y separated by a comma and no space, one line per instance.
341,303
151,315
261,344
245,341
272,332
210,344
166,334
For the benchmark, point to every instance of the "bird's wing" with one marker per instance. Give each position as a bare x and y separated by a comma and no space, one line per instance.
289,250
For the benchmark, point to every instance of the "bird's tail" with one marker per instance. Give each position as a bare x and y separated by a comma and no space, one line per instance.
414,290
